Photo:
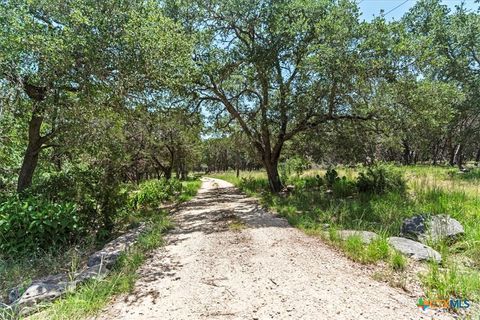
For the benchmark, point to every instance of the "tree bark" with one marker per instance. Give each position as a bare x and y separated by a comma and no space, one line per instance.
273,176
452,155
456,154
477,158
167,172
406,153
459,156
30,159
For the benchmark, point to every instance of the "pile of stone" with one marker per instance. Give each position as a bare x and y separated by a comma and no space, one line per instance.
415,234
54,286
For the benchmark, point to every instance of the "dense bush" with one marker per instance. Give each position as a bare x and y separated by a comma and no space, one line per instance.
152,193
94,191
32,223
331,176
381,179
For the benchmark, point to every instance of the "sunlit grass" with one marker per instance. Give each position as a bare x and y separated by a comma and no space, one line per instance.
431,190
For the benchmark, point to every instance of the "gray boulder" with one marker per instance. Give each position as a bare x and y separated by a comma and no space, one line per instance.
442,227
414,227
112,250
438,227
52,287
366,236
94,272
413,249
14,294
45,289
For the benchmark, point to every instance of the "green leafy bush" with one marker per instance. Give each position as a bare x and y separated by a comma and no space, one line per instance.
96,193
314,182
381,179
152,193
32,223
331,176
295,165
398,262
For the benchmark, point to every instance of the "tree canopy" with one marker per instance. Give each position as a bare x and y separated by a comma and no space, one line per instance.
143,84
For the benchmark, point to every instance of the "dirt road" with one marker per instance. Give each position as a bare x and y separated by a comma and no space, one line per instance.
213,268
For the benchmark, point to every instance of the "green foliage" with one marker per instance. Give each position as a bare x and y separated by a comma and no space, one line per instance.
354,247
444,283
153,193
189,189
343,188
32,223
314,182
295,165
94,191
375,251
381,179
397,261
250,184
331,177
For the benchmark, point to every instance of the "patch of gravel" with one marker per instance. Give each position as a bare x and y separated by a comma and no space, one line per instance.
268,270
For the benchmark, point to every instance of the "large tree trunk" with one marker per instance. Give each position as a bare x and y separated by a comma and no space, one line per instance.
30,159
273,176
477,158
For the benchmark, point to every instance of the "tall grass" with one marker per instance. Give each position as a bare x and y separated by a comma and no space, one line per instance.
431,190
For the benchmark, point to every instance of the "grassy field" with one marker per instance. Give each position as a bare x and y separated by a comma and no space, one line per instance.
92,296
430,190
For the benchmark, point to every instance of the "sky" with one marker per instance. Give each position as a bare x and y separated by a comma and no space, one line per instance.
395,9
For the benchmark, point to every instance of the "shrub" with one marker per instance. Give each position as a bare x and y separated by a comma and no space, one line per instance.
377,250
152,193
354,248
32,223
331,176
295,164
381,179
95,191
343,187
250,184
313,182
